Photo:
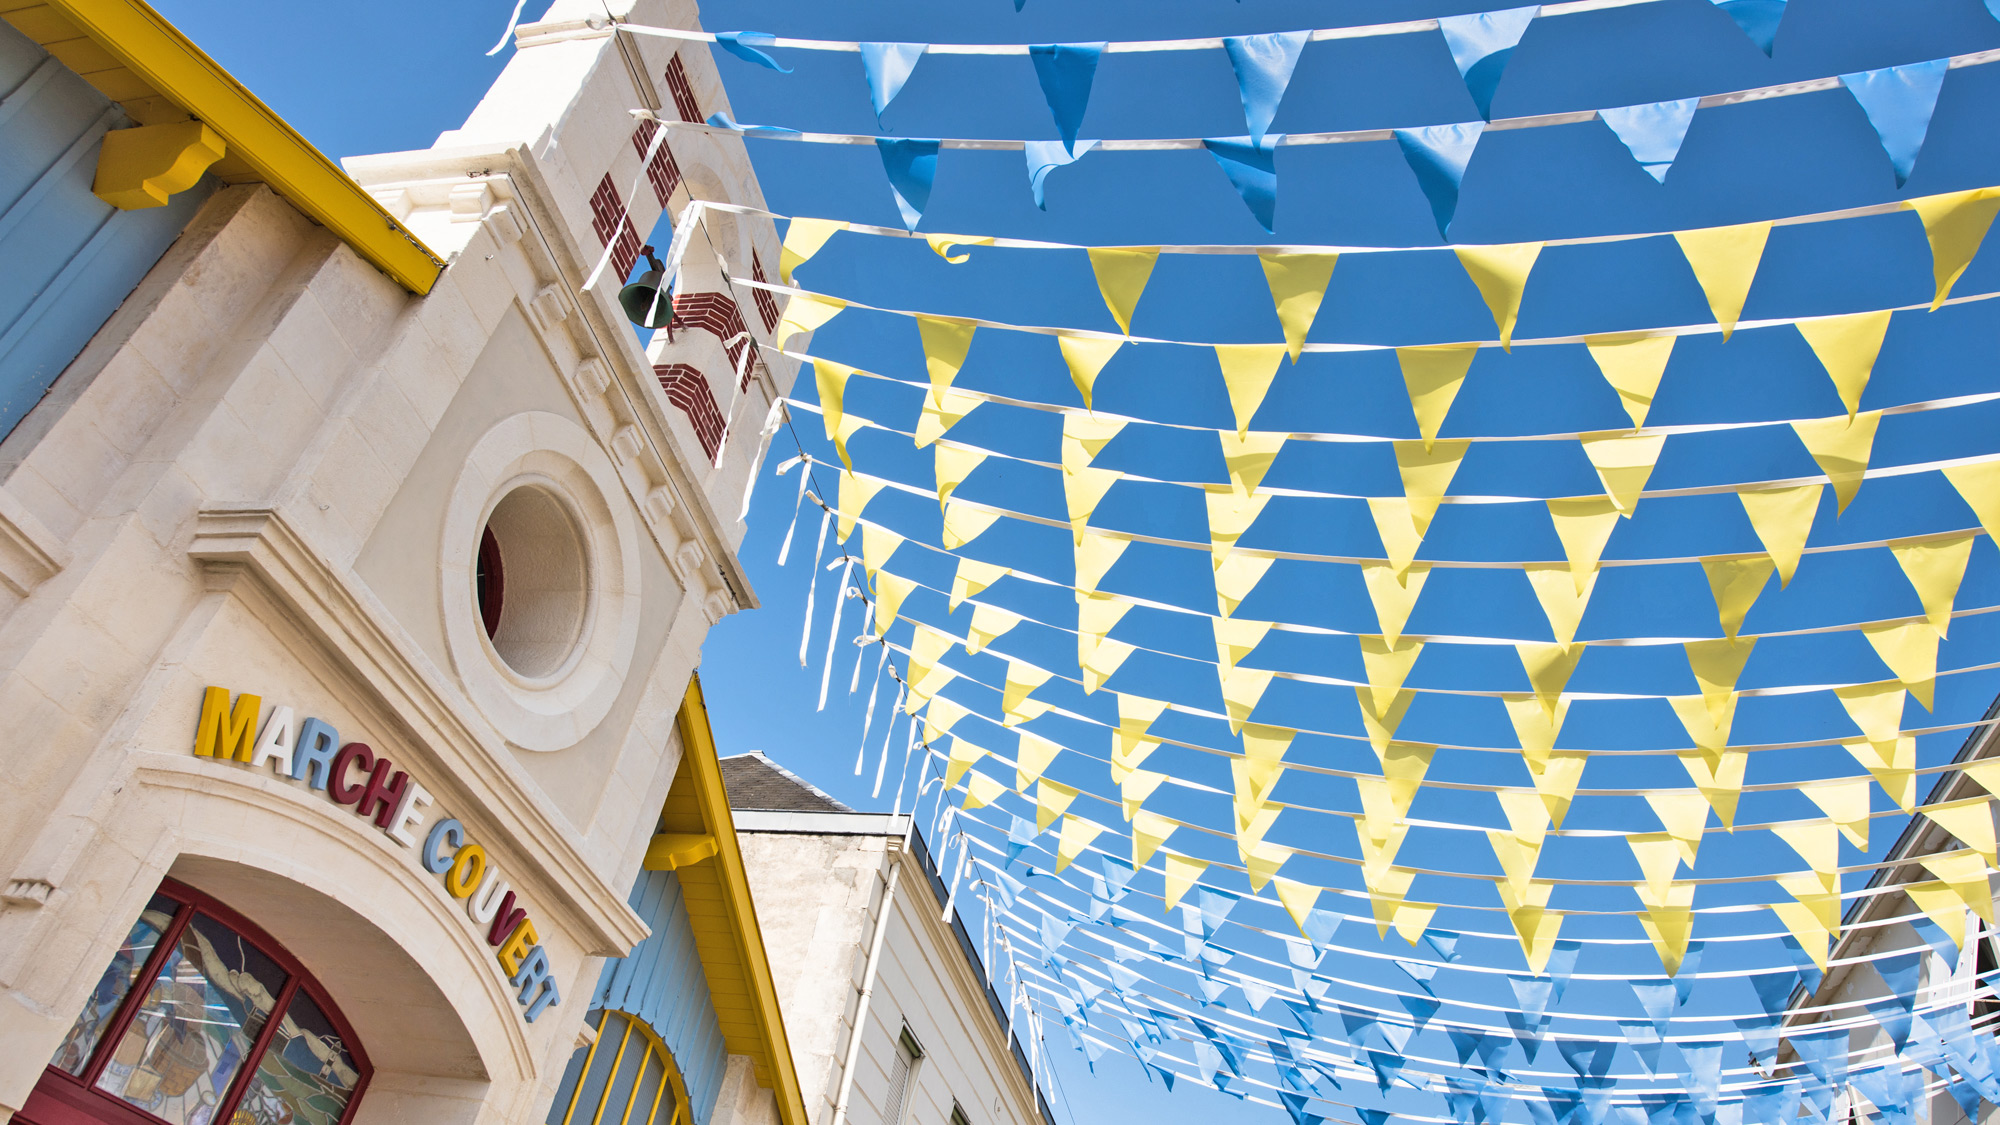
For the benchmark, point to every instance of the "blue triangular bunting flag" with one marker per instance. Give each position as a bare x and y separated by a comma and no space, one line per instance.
1898,101
1438,155
1264,65
1653,132
912,167
1066,71
887,66
1252,171
1758,19
738,43
1480,44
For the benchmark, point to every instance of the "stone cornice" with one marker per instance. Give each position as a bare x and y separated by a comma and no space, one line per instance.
29,553
476,783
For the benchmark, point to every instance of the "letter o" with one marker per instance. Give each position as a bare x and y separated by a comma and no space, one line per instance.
467,867
447,832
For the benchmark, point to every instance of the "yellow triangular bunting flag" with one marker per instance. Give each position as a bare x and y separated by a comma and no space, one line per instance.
1935,567
1086,356
1555,588
1669,921
964,755
1095,555
1724,261
1427,469
1149,831
1381,722
890,590
1816,841
1709,730
1633,366
1684,814
805,312
1549,668
1955,224
1298,899
1845,801
1230,514
981,791
1501,273
1717,665
1965,873
1181,875
1121,278
941,412
1247,371
1841,446
1051,801
1022,680
1083,491
1236,639
1298,285
832,380
1236,577
1397,527
1433,374
946,339
803,239
1719,778
1394,594
855,493
952,464
878,545
1624,462
1534,728
1970,820
1077,833
1909,648
1847,347
1735,583
1893,765
1979,486
1782,519
1386,666
971,578
964,522
1248,458
1136,787
1584,526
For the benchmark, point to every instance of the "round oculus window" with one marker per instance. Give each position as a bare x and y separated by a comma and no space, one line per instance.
531,582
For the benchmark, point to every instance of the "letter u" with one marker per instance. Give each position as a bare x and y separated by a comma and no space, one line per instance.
484,903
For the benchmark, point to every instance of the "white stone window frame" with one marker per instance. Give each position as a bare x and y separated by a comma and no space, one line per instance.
549,452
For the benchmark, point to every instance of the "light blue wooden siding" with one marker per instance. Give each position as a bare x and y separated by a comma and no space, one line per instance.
661,983
69,257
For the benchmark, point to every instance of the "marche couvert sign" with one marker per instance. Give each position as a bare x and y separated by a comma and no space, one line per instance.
354,775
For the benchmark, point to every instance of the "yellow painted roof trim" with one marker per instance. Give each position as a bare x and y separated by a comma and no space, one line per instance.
153,49
700,774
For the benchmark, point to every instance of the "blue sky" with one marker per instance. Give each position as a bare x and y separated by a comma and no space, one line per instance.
360,90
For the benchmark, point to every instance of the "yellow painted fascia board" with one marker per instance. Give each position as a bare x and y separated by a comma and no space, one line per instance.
146,44
704,771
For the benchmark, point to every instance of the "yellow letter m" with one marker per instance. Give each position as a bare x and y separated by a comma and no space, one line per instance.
224,733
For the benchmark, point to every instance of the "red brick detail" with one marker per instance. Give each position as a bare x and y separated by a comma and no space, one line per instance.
608,219
661,171
716,313
677,84
687,389
767,305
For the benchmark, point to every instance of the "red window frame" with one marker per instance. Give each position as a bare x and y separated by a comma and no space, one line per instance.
62,1098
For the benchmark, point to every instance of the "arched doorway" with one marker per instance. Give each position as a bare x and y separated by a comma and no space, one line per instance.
200,1019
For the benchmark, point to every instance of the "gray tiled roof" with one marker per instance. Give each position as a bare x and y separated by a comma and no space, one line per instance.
756,782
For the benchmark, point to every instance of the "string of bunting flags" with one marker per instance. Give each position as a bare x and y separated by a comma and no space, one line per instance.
1168,828
1898,102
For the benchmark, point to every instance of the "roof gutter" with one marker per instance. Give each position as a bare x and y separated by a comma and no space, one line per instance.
146,44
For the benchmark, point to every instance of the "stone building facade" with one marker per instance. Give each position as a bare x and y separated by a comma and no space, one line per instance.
355,559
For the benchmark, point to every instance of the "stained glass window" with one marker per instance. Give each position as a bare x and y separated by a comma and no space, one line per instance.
197,1043
112,987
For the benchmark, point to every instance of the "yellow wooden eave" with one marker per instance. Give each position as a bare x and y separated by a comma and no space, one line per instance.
722,916
132,55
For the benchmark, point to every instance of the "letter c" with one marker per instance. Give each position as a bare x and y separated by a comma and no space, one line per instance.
448,832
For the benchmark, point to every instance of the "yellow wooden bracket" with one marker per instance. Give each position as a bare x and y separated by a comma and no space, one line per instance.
146,166
671,851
